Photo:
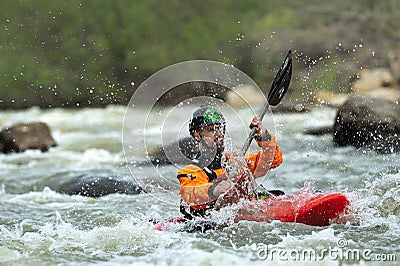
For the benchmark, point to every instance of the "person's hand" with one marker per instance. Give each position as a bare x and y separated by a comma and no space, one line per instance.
222,187
260,131
235,169
227,193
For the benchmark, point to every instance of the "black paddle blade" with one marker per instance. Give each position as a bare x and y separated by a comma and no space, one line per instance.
281,82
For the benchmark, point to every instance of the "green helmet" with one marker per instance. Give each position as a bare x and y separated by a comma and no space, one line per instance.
204,116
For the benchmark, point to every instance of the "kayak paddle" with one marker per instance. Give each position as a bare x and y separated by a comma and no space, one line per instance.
279,87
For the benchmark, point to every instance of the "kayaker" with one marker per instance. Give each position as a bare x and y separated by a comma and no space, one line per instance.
206,178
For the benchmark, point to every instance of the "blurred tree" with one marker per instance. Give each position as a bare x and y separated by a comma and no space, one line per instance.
80,53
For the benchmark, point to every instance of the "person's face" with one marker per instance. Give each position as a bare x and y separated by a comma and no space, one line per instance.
212,137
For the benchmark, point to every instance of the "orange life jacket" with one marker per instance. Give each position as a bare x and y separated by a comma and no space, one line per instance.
197,184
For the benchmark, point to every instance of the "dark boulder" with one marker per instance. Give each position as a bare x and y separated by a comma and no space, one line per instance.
362,121
175,152
386,146
99,185
22,137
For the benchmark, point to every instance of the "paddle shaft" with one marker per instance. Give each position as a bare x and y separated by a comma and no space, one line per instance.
254,129
278,89
247,145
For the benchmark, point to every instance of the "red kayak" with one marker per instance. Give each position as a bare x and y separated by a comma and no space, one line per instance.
317,209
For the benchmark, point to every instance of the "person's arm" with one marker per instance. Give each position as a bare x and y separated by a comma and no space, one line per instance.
197,191
270,155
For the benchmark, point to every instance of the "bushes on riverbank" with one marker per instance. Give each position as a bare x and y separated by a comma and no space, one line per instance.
81,53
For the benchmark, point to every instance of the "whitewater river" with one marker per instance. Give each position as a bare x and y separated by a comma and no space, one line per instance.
39,226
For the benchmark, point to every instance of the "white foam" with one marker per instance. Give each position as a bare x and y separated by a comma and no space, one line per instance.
8,255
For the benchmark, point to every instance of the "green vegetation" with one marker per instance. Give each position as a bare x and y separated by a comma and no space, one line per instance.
79,53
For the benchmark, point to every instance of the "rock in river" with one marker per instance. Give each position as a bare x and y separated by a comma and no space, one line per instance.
364,121
22,137
98,185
